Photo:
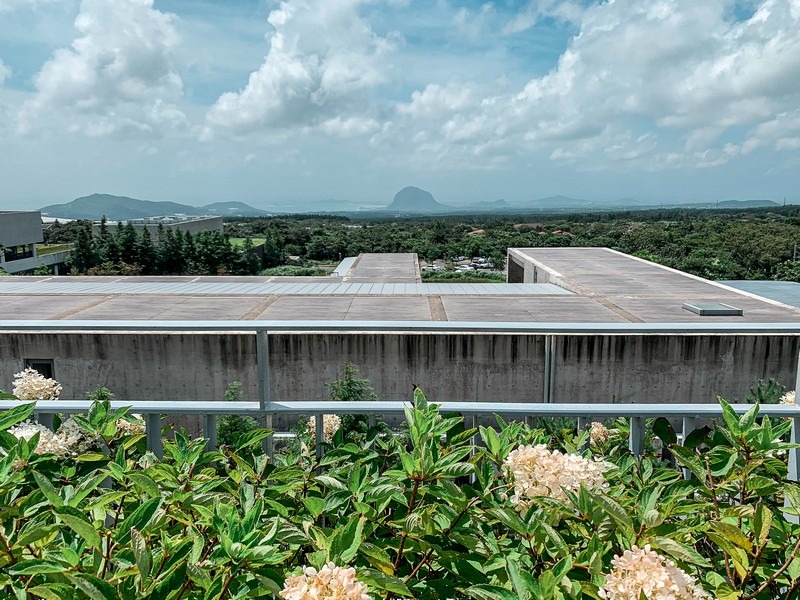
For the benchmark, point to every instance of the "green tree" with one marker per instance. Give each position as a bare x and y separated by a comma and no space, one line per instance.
146,253
84,254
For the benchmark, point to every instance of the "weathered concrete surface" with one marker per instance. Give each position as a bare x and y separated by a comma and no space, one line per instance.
447,366
669,369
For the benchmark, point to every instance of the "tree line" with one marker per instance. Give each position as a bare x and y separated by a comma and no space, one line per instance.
715,244
124,250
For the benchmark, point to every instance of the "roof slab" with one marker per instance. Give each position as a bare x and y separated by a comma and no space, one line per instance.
587,285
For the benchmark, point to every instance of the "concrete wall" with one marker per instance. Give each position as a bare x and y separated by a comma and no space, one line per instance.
448,366
23,265
20,228
669,369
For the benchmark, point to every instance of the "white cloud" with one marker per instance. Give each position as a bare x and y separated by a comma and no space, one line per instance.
12,5
636,68
117,77
5,72
322,61
561,10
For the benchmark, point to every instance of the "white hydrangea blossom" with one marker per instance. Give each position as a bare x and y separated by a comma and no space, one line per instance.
76,439
598,433
127,428
31,385
49,442
788,397
539,472
330,425
641,570
329,583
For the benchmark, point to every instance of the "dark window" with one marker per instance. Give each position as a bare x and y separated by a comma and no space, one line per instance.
43,365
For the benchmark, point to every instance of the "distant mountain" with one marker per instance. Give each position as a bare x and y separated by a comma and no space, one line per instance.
747,203
413,199
117,208
232,209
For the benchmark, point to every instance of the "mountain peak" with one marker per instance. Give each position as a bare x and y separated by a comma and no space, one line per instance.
414,199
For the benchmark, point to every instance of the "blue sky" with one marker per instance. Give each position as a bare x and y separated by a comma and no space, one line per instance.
278,103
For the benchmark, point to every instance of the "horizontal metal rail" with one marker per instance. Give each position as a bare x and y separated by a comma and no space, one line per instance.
728,328
153,411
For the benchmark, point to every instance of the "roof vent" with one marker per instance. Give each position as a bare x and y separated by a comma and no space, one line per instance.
712,309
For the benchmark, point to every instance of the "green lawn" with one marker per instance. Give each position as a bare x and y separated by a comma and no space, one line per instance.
240,241
42,249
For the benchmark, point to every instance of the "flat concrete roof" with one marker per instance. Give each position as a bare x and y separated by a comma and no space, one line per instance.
643,291
589,285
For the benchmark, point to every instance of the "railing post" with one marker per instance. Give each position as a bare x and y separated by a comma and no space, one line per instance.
154,442
548,357
45,419
264,393
636,437
794,453
210,431
319,434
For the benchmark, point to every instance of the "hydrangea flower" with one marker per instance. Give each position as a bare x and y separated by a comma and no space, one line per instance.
788,398
641,570
329,583
76,439
49,442
598,433
31,385
539,472
330,425
128,428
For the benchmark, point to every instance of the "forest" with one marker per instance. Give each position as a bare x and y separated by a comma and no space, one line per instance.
715,244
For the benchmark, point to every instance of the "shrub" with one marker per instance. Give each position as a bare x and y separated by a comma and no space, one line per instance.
231,428
427,517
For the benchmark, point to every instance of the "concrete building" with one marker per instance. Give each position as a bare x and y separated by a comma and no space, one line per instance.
572,325
176,223
20,231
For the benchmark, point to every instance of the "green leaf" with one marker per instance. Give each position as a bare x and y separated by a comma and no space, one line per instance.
746,420
489,592
53,591
36,566
733,534
679,551
94,587
381,581
346,541
91,457
16,415
314,505
614,510
138,518
140,553
522,586
82,528
730,417
47,489
145,484
762,521
663,429
687,458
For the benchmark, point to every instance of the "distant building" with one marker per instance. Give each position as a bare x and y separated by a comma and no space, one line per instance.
20,231
175,223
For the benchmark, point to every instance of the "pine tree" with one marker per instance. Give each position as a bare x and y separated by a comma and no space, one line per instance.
146,253
84,254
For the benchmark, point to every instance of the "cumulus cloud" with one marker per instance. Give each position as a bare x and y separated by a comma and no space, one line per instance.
322,61
117,78
636,68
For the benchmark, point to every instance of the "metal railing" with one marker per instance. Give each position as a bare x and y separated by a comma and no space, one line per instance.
262,329
265,407
153,411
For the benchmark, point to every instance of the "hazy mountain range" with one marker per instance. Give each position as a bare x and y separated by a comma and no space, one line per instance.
408,201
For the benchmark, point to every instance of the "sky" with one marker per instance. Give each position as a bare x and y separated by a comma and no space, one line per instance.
282,103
